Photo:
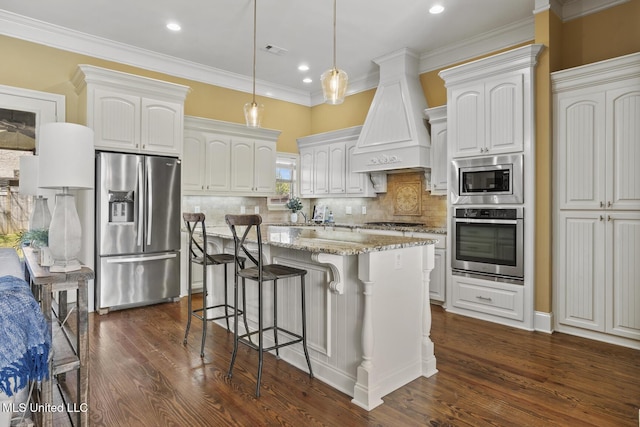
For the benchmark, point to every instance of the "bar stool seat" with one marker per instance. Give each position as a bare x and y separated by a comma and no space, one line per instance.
261,273
198,255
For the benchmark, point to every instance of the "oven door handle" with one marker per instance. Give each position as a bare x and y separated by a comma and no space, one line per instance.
487,221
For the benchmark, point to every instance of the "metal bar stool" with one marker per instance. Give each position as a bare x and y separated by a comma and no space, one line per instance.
198,255
261,273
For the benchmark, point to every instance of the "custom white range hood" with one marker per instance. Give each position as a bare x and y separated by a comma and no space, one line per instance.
394,136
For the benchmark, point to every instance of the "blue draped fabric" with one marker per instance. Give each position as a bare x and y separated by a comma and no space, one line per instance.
25,341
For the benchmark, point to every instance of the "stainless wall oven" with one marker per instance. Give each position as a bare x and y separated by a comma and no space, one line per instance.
489,241
487,180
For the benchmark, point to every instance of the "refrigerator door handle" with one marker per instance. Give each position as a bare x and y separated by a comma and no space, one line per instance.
140,259
140,229
150,205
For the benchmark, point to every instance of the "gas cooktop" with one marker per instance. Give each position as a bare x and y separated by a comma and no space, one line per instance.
394,224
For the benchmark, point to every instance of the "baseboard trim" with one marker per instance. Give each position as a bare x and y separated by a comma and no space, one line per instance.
543,322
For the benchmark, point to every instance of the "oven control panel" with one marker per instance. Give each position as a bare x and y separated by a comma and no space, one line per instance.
489,213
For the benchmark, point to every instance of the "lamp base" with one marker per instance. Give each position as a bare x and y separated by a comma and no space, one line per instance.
65,235
64,266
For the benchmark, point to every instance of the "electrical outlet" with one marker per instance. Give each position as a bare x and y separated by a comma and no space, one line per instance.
398,260
243,210
364,210
196,209
348,210
256,210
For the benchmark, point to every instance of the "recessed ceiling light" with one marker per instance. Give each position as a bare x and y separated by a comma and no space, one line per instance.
307,80
174,26
436,9
303,67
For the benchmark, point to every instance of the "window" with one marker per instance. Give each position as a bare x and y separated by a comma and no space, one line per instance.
286,181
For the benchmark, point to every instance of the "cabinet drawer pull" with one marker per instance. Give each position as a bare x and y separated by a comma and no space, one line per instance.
608,217
601,218
609,204
481,298
601,204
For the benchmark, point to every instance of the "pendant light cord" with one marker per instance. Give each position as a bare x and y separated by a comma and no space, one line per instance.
334,34
255,8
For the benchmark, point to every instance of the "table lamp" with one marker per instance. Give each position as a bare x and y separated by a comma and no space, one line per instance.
40,215
67,159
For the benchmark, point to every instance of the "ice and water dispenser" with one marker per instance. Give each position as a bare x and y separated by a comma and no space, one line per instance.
121,206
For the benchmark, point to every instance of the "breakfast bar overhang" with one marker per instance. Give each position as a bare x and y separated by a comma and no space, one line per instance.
368,309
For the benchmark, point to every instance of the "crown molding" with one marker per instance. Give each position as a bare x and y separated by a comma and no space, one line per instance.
572,9
36,31
482,44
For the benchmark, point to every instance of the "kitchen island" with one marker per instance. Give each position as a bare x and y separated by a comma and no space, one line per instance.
368,311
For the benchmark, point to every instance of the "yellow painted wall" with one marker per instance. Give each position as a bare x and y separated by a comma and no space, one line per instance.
351,112
33,66
607,34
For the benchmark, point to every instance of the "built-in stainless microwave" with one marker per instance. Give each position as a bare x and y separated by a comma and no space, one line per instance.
487,180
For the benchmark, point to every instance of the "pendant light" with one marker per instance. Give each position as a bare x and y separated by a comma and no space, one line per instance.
252,110
334,81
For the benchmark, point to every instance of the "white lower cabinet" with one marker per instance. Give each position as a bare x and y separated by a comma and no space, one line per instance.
599,277
484,296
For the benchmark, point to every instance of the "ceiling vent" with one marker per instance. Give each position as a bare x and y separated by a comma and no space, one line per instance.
276,50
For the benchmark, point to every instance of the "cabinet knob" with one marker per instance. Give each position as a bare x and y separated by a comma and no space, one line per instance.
601,204
601,218
608,217
609,204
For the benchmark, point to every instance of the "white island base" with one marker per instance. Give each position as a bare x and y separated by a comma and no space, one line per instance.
368,316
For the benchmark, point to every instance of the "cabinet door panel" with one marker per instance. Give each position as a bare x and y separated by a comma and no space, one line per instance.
306,172
467,116
161,127
217,157
337,168
265,167
623,277
623,155
581,152
193,166
321,170
580,270
242,165
116,121
504,115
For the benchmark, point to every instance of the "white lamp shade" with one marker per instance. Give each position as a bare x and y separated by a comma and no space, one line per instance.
67,156
29,166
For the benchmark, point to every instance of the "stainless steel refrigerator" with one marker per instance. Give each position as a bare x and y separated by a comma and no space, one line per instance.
137,230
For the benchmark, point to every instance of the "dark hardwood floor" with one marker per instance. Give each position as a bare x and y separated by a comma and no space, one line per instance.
489,375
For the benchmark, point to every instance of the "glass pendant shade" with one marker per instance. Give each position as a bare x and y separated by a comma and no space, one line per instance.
334,86
253,113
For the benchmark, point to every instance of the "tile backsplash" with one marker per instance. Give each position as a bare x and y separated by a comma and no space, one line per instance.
432,211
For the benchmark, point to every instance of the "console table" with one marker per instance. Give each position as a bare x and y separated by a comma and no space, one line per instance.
70,346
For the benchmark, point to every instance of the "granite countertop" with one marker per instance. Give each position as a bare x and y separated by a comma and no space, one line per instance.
418,229
327,241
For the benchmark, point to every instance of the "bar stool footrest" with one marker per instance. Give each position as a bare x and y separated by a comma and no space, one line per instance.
231,314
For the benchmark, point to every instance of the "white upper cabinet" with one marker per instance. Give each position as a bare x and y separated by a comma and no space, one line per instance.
490,103
222,158
437,117
597,138
253,166
130,113
487,117
325,165
207,157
